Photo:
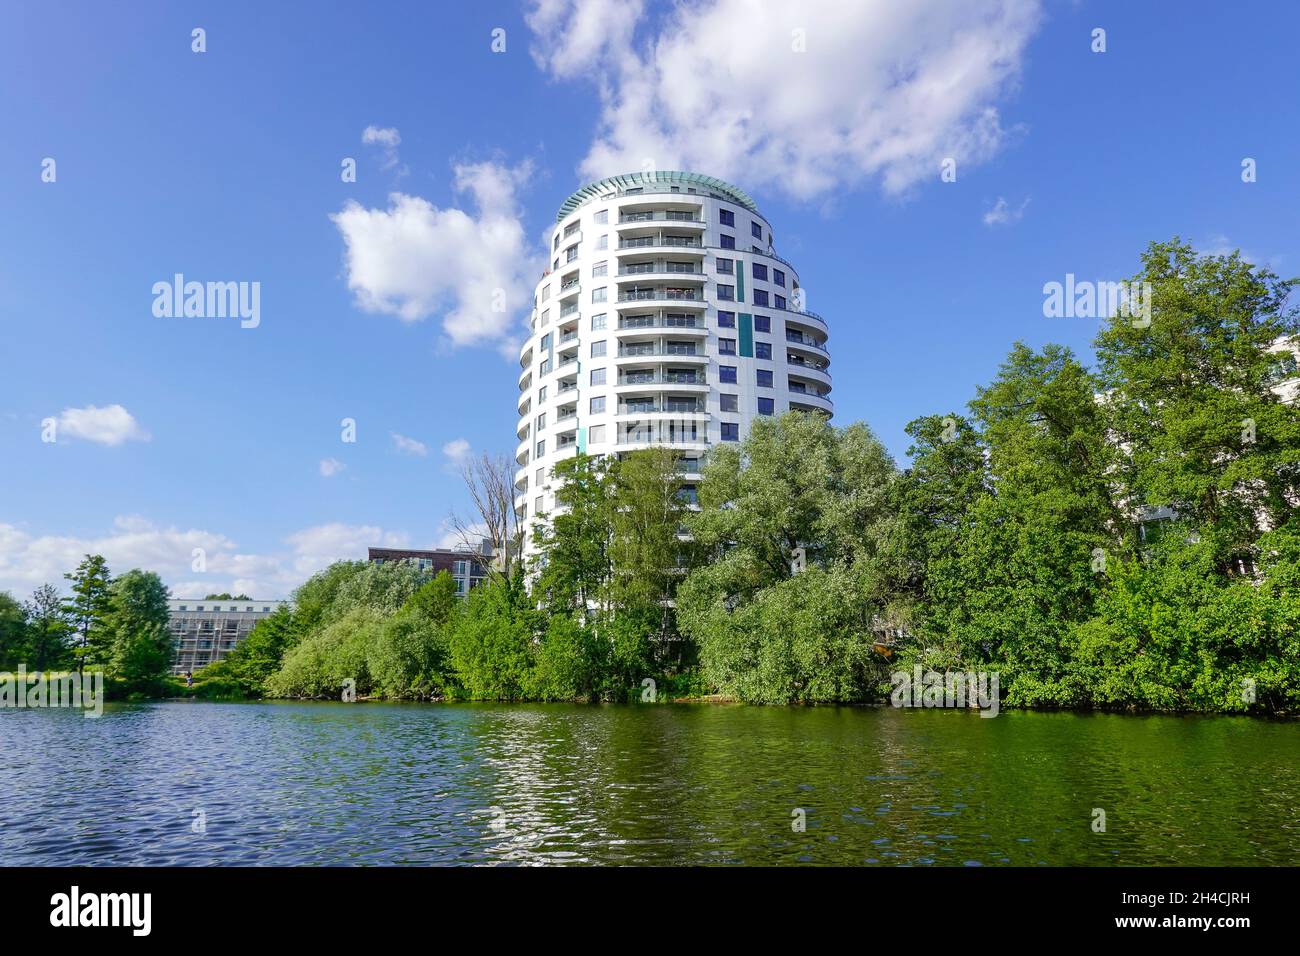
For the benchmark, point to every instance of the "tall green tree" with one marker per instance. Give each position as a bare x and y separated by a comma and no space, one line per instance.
573,566
87,609
47,629
137,622
13,631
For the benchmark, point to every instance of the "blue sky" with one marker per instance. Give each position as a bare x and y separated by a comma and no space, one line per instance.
225,166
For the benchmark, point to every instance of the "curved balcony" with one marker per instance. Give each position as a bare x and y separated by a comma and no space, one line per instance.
677,217
810,320
661,380
806,347
810,402
523,452
812,377
676,298
526,355
525,378
660,243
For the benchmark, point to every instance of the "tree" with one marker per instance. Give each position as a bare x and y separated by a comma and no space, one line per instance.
227,596
410,656
13,631
490,482
573,565
47,629
87,609
492,644
802,567
244,671
137,623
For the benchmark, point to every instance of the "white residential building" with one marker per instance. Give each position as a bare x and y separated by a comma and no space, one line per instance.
666,318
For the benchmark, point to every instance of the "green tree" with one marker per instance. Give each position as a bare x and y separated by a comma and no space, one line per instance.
410,657
797,493
87,608
244,671
13,631
573,564
47,629
137,622
492,641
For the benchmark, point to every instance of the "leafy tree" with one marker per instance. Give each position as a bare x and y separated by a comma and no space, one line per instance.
491,642
323,661
87,609
244,671
574,565
137,622
13,631
47,629
410,656
796,487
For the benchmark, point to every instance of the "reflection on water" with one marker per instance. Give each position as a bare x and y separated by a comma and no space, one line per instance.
284,783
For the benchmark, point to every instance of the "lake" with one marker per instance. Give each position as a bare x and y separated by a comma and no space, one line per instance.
191,783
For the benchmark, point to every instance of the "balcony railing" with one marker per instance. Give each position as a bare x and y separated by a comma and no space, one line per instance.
668,405
663,378
680,242
641,295
666,321
660,215
660,433
674,268
804,340
628,351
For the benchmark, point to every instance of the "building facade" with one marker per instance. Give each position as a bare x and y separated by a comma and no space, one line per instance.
665,318
206,631
469,570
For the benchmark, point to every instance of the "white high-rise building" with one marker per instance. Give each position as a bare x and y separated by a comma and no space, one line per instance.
666,318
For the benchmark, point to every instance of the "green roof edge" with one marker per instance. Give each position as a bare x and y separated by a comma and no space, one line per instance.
675,177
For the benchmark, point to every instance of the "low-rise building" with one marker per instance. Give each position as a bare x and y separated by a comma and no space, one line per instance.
469,569
204,631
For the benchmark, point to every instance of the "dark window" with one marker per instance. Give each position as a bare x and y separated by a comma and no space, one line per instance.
756,230
726,292
727,346
727,373
760,271
762,323
726,320
728,402
726,217
760,297
765,378
763,350
724,266
778,277
728,242
730,431
765,406
780,302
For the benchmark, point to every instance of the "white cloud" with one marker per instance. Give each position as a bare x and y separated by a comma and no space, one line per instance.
414,260
456,450
28,560
329,467
388,138
110,425
884,90
1001,214
409,446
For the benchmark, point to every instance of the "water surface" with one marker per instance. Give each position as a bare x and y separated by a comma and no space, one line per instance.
334,783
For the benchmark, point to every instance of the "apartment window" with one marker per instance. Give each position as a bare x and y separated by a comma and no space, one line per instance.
728,402
764,378
598,349
726,217
728,242
727,346
726,320
724,266
726,292
730,431
602,243
541,449
570,229
546,292
538,505
763,350
600,269
546,316
760,297
541,477
778,277
760,271
762,323
727,373
544,368
598,376
756,230
598,322
546,341
599,295
766,406
541,395
596,434
780,302
556,264
571,253
601,217
541,421
556,245
597,405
